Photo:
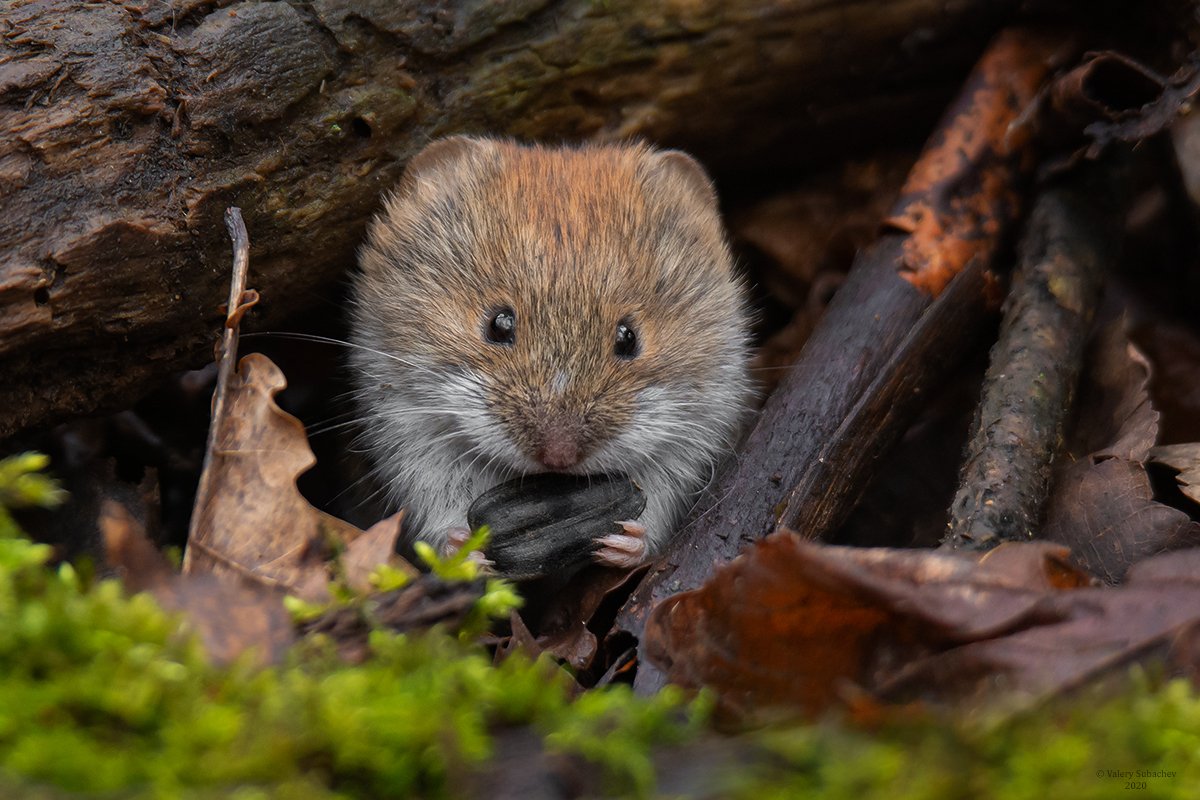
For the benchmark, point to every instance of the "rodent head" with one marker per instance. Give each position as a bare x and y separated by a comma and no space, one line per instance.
569,310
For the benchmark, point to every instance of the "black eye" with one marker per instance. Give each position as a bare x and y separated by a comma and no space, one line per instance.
502,327
626,344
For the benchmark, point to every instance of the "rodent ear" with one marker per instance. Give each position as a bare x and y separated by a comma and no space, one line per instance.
438,156
686,172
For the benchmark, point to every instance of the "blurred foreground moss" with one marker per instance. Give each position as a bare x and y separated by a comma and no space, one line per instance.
1086,747
101,694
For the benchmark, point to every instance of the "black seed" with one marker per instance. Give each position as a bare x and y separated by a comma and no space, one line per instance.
548,524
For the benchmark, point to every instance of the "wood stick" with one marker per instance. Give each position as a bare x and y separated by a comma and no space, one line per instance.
1068,243
961,197
240,300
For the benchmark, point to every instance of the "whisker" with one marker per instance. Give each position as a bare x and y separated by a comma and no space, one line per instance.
312,337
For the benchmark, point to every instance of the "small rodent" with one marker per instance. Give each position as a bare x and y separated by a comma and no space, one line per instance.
527,309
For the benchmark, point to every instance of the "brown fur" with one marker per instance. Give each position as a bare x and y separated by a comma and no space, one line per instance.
543,233
575,241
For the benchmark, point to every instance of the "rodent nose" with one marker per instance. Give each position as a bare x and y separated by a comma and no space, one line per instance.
558,453
558,447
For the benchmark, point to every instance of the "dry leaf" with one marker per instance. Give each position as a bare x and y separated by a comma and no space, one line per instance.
231,616
1106,513
1184,459
1174,350
1102,505
136,560
376,546
562,616
250,519
1087,636
1114,415
793,624
790,622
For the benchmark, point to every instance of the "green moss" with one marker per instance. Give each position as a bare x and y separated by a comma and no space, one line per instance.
99,693
1087,746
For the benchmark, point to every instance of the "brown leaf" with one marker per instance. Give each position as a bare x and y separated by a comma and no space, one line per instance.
229,615
129,551
1179,567
561,615
1102,505
250,519
521,639
1184,459
790,621
374,547
1174,351
792,624
1105,512
1088,635
1114,416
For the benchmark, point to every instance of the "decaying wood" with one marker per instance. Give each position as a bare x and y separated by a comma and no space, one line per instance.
127,128
960,198
1121,99
1069,242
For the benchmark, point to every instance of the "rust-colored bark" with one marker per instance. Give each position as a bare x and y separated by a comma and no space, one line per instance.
983,138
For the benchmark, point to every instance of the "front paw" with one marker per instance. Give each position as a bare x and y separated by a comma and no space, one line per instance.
624,550
455,539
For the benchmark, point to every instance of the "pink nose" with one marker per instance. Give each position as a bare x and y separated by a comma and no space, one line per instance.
559,451
558,443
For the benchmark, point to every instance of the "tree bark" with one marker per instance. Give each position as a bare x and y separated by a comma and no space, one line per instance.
127,128
1070,241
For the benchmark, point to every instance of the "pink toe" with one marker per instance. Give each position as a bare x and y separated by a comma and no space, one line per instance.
632,527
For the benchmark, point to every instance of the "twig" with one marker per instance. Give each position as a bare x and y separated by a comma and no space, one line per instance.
1068,243
240,301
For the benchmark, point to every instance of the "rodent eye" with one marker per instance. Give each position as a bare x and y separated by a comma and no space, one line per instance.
626,344
502,327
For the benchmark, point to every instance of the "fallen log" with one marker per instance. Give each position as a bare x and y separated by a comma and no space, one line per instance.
127,128
851,393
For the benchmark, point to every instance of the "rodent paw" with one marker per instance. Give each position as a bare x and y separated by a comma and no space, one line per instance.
624,550
456,538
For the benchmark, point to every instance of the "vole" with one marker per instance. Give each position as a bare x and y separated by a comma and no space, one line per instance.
527,309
